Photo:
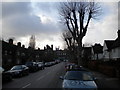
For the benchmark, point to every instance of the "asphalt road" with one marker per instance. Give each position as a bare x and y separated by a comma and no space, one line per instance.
47,78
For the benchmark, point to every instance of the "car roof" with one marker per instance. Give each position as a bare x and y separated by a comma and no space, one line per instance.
77,71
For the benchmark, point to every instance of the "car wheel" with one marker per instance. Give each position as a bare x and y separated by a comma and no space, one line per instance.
28,73
21,75
10,78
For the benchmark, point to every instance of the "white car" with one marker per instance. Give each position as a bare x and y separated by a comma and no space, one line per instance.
78,79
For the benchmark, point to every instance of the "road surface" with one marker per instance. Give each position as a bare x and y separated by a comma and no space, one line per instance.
49,78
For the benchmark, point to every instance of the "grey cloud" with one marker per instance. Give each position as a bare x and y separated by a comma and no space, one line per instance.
21,25
14,8
19,22
27,24
45,7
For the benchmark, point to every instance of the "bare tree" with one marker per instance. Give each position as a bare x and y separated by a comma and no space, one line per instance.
71,44
76,16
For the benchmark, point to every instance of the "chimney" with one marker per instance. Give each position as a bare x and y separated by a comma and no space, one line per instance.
52,47
44,48
19,44
23,46
118,33
11,41
38,48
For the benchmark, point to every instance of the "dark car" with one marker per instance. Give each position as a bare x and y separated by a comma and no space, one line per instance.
19,70
69,66
47,64
33,66
40,65
6,76
57,61
53,63
78,80
78,68
74,67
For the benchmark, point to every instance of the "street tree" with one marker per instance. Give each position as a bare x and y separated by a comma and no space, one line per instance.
77,16
71,44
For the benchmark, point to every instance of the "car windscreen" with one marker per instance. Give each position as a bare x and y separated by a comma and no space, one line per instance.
78,75
16,68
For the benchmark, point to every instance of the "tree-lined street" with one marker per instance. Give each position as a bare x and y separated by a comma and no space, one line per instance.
42,42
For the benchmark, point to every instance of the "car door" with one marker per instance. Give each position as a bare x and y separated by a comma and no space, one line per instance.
24,69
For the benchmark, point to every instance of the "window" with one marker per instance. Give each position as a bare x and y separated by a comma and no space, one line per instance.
5,52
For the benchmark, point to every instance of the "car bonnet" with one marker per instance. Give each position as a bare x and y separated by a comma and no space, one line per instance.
79,84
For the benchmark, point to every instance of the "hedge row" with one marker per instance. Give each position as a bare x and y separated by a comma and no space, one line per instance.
105,69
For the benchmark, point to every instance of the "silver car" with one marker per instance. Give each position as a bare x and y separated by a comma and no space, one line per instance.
78,79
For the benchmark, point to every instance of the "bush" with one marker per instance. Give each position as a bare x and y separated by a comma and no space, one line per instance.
103,67
93,65
108,70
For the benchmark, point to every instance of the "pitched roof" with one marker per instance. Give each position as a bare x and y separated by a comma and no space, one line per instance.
116,43
109,44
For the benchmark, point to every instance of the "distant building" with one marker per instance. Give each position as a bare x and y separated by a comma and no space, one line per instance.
39,55
18,54
107,48
61,54
13,54
48,53
111,49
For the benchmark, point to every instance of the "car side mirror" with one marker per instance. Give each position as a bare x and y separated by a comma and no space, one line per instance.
61,77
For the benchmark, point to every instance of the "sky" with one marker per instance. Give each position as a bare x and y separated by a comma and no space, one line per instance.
20,20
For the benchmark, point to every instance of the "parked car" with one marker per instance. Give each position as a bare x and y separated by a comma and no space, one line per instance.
57,61
19,70
6,76
40,65
69,66
65,60
52,63
32,66
47,64
79,80
74,67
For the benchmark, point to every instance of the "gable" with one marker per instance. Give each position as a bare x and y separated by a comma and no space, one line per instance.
104,46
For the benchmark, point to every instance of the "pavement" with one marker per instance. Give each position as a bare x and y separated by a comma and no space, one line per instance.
106,82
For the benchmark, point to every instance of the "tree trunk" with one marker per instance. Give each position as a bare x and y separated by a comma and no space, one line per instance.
79,54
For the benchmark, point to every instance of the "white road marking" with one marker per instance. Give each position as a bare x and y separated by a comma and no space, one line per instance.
27,85
41,77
